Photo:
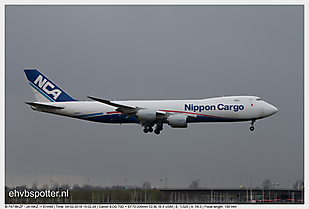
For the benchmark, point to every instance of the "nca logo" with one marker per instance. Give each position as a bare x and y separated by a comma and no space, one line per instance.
44,85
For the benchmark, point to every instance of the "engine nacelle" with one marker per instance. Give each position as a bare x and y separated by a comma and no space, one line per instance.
177,121
146,114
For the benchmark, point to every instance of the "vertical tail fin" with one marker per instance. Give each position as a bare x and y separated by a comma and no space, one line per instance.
44,89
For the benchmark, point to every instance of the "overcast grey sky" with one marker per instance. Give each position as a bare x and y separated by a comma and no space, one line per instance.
155,52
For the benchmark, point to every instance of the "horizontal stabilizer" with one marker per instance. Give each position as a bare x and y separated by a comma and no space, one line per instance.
44,105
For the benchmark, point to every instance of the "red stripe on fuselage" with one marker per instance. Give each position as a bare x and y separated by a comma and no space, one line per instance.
114,112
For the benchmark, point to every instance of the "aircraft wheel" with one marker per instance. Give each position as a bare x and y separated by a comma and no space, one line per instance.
157,132
145,130
251,128
150,130
159,128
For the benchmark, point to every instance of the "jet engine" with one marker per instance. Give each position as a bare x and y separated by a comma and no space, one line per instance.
177,121
146,114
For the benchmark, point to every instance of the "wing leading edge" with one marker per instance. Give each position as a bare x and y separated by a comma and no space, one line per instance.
120,107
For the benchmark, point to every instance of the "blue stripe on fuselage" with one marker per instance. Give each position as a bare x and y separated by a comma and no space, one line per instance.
90,115
213,119
117,118
110,118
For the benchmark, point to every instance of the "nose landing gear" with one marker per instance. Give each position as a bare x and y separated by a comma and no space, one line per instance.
252,125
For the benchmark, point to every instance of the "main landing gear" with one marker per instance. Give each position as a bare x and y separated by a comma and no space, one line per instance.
252,125
158,129
148,129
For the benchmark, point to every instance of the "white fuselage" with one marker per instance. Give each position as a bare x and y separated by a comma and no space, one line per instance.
52,99
219,109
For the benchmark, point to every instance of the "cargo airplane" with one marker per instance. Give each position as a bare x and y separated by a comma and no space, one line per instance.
148,113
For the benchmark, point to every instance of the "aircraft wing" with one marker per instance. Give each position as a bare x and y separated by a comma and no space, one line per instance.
159,112
191,116
121,107
44,105
173,112
129,109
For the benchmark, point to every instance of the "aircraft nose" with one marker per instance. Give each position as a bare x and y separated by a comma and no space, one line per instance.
270,109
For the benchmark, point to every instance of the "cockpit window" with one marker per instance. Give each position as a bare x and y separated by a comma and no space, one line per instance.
258,99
